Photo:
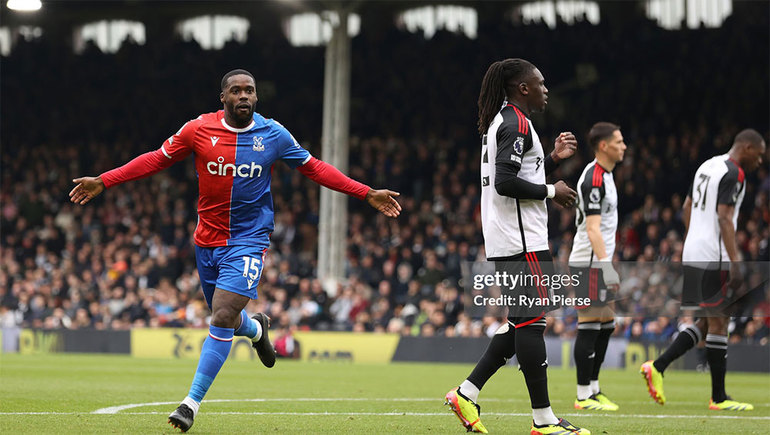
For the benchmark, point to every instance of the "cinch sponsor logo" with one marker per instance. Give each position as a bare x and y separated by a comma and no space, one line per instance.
244,171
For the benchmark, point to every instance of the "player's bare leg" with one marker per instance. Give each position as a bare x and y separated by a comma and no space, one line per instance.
226,309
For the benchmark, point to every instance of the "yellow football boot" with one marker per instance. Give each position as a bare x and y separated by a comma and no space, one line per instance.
654,380
466,410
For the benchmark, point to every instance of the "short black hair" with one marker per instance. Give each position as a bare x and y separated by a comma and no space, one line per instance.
236,72
599,132
749,136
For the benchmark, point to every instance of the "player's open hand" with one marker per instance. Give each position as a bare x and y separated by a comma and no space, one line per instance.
564,196
384,200
565,146
86,189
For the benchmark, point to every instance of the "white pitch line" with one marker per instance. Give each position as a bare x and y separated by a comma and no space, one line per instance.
40,413
118,408
419,414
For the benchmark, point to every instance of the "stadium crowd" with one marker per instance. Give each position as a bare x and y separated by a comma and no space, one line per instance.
126,260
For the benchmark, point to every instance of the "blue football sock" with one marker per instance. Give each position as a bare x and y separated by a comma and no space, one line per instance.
248,328
215,349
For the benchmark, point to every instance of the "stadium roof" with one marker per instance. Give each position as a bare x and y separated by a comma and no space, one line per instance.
76,12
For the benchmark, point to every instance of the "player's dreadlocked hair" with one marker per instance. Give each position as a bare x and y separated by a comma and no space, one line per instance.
500,81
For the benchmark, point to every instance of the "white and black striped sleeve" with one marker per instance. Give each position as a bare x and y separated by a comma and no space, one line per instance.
513,140
592,191
731,185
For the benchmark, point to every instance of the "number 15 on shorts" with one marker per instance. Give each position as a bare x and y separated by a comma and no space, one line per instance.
252,267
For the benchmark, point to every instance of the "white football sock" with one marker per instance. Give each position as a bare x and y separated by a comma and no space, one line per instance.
259,329
469,390
595,387
544,416
584,392
192,404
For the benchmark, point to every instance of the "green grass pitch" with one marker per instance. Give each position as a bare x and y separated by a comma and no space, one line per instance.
58,393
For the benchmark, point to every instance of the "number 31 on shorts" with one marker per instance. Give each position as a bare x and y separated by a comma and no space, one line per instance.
252,267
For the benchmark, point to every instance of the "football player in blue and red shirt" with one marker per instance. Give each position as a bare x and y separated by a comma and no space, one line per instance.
234,150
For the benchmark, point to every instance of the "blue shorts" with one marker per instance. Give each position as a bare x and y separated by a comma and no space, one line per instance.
236,269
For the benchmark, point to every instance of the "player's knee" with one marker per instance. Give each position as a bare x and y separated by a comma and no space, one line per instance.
504,329
225,317
718,325
531,346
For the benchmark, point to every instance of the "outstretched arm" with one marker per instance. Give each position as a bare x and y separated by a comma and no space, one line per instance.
328,176
87,188
384,200
174,149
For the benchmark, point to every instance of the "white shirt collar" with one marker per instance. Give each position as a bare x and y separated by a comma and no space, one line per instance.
238,130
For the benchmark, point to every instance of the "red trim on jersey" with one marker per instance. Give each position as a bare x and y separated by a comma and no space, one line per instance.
598,176
523,120
518,118
520,325
741,174
523,124
328,176
141,166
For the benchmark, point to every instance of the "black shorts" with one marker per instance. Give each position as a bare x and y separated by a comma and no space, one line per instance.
591,286
531,265
704,290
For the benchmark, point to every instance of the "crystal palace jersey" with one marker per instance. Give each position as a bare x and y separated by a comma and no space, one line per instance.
719,180
235,206
511,225
597,195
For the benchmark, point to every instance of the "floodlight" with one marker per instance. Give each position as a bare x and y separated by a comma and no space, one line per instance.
24,5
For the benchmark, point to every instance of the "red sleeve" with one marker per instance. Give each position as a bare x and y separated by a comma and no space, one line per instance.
328,176
174,149
142,166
